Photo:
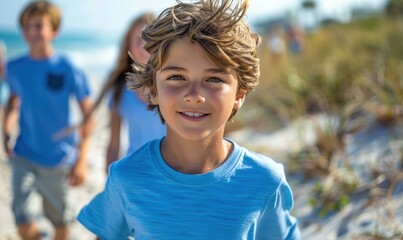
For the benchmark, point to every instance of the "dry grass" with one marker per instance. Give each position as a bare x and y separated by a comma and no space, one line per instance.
352,72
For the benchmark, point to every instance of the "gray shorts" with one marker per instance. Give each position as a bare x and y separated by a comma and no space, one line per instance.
37,189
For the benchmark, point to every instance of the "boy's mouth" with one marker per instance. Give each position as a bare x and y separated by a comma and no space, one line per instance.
193,114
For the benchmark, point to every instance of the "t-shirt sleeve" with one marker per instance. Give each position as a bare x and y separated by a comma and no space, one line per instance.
276,221
104,214
81,86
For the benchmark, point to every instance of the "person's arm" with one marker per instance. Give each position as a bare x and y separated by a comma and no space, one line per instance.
79,170
114,140
11,114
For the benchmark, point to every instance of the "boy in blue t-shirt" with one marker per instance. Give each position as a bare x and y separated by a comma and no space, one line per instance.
194,183
44,162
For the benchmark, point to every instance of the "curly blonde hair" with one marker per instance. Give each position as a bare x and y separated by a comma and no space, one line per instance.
217,26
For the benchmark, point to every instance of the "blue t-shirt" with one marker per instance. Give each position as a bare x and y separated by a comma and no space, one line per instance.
143,125
247,197
45,88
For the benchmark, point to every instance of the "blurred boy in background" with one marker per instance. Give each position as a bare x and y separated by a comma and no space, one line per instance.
43,163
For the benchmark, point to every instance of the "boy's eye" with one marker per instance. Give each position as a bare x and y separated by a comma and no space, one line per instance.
214,79
176,77
37,26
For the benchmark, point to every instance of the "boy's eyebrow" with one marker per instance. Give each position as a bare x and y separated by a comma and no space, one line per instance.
172,68
210,70
219,70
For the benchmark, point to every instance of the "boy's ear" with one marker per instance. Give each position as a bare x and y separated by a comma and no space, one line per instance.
153,96
240,98
154,99
55,34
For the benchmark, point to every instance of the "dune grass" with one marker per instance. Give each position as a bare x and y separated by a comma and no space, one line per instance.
352,72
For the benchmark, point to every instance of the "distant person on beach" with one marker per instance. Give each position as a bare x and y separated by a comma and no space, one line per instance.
43,162
277,43
129,107
295,39
194,183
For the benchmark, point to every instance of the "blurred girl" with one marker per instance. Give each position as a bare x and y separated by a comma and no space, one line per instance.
128,107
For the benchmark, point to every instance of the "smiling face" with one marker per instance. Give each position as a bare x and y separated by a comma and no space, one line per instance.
194,95
38,31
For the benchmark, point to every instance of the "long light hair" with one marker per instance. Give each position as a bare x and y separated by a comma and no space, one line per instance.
117,79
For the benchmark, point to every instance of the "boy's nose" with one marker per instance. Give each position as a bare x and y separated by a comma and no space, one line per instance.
194,94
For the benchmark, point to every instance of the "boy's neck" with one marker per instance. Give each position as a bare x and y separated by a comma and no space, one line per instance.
195,157
41,53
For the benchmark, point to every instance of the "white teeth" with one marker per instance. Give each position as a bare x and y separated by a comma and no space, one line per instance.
190,114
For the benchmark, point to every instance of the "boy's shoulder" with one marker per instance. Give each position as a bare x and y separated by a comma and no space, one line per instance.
258,159
62,58
263,161
136,167
138,159
263,167
18,60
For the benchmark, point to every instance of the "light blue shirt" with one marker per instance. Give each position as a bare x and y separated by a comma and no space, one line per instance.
143,125
45,88
247,197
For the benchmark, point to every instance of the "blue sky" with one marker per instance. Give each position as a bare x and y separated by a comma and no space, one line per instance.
111,16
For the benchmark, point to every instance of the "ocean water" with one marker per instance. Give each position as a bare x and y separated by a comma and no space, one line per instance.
95,54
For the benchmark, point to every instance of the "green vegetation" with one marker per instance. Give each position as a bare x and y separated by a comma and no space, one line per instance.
351,72
344,70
